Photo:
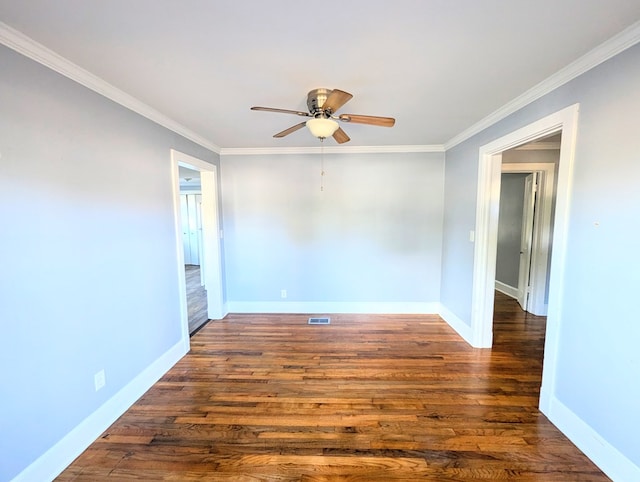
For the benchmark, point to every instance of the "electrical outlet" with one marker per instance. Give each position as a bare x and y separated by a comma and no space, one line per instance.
283,293
99,380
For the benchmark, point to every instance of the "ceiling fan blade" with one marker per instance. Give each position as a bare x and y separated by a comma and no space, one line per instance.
337,98
288,131
341,136
282,111
368,119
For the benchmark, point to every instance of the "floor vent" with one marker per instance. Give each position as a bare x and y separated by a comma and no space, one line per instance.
319,321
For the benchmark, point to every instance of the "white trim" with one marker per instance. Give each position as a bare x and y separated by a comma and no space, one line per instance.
211,238
314,307
211,249
485,249
564,190
177,228
225,309
612,47
489,174
507,290
50,464
456,323
265,151
488,198
610,460
28,47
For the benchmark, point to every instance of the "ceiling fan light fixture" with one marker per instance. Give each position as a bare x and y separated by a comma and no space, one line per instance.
321,127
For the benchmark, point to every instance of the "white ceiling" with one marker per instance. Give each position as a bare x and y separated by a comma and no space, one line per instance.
437,66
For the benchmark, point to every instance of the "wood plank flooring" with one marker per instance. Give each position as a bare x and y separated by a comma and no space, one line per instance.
196,298
366,398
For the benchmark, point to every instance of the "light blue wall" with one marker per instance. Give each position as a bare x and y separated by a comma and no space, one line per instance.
460,191
373,235
88,276
88,271
598,370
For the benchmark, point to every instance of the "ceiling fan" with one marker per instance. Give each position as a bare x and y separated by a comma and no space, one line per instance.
323,104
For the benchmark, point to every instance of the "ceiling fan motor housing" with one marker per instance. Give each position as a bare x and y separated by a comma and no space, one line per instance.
316,99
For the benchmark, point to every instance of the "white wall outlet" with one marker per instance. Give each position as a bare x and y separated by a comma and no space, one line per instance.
283,294
472,236
99,380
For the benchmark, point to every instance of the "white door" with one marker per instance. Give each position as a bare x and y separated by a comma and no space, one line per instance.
202,263
184,218
528,212
191,227
193,201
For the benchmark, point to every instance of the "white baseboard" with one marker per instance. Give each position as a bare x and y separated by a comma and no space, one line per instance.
506,289
540,310
427,308
613,463
456,323
314,307
57,458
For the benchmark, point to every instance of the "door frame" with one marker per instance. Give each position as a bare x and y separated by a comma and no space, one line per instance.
486,234
212,260
542,232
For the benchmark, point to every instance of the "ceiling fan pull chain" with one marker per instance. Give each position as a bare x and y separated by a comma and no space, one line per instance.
322,164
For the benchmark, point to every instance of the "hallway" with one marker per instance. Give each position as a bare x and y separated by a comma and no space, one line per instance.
196,298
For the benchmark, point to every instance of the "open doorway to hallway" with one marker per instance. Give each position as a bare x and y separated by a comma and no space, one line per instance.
565,122
192,240
523,248
523,335
197,230
196,298
525,222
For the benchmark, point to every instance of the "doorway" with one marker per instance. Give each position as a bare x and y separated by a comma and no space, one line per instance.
525,226
208,250
191,219
489,179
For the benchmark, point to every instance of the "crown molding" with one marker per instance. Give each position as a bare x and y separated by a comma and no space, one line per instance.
610,48
265,151
28,47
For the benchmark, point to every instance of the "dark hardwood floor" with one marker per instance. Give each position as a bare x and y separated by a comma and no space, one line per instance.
196,298
366,398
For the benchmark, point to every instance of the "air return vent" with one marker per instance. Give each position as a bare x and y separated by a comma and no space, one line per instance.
319,321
